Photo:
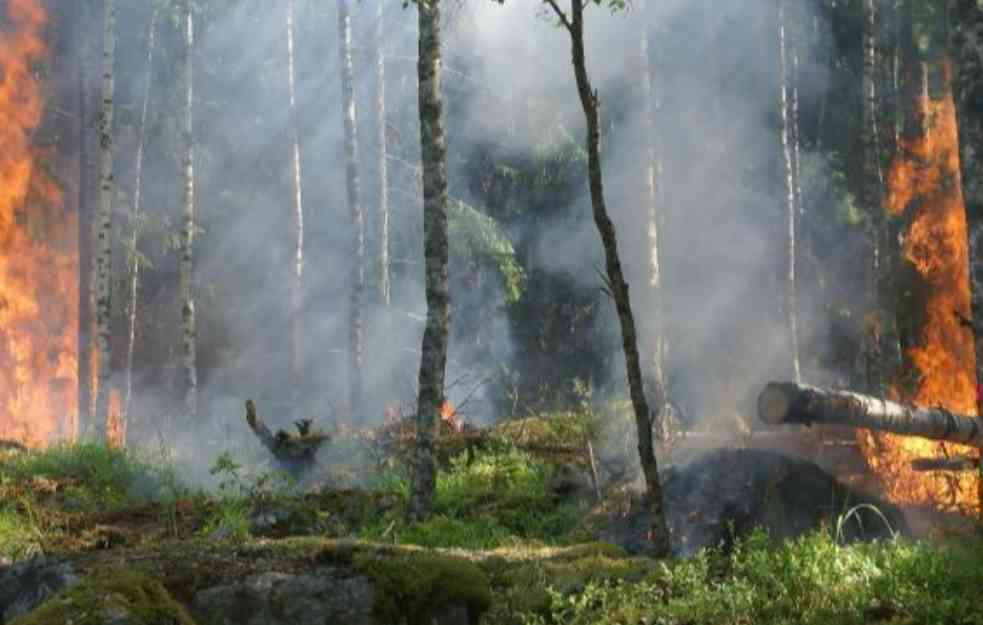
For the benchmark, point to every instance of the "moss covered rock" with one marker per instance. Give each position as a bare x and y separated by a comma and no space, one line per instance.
115,598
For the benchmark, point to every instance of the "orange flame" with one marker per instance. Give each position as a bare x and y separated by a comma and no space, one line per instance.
449,415
924,186
38,250
115,424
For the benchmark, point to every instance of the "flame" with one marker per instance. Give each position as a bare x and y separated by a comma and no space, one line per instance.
38,250
924,187
115,424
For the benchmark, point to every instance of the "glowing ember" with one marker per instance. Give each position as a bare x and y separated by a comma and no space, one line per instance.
38,251
925,181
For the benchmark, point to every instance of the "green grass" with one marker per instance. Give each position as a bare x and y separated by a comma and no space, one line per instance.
485,499
810,581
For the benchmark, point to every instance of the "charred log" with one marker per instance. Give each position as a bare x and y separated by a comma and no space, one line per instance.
788,402
295,453
956,463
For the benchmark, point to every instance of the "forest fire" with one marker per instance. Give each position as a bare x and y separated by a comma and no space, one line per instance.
38,250
924,188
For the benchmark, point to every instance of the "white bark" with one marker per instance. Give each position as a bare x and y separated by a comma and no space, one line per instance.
102,256
383,288
791,303
136,216
297,281
787,402
356,345
188,322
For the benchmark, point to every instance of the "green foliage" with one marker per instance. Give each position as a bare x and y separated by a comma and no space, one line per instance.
20,537
486,498
95,477
472,232
811,580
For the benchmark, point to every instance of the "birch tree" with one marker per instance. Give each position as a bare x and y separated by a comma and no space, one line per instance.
433,356
616,283
791,299
297,278
102,257
187,295
356,338
378,61
653,185
136,217
872,194
89,113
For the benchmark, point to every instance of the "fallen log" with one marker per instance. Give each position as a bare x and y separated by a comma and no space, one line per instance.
788,402
956,463
296,453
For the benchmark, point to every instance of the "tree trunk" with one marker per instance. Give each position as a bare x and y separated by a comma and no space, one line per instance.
356,342
791,299
873,184
924,200
297,281
658,534
967,45
136,219
104,224
88,107
188,322
654,213
787,402
378,61
433,357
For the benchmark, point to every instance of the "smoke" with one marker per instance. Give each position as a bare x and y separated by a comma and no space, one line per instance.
508,83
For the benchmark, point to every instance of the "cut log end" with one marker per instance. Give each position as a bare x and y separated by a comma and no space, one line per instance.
775,402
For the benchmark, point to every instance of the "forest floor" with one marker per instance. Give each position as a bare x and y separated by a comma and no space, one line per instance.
509,543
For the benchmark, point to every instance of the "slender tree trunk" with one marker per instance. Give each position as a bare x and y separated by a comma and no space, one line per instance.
658,533
104,224
382,179
655,210
88,142
188,322
136,218
297,281
873,184
356,340
791,299
433,357
967,45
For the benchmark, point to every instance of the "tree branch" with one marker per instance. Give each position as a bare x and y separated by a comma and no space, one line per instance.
560,15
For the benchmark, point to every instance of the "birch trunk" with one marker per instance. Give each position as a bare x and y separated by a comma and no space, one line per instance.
378,61
297,279
791,300
88,107
136,218
654,213
188,323
433,357
658,532
786,402
873,185
356,343
103,249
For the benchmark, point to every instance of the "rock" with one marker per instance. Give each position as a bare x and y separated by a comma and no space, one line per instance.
324,595
25,585
726,493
